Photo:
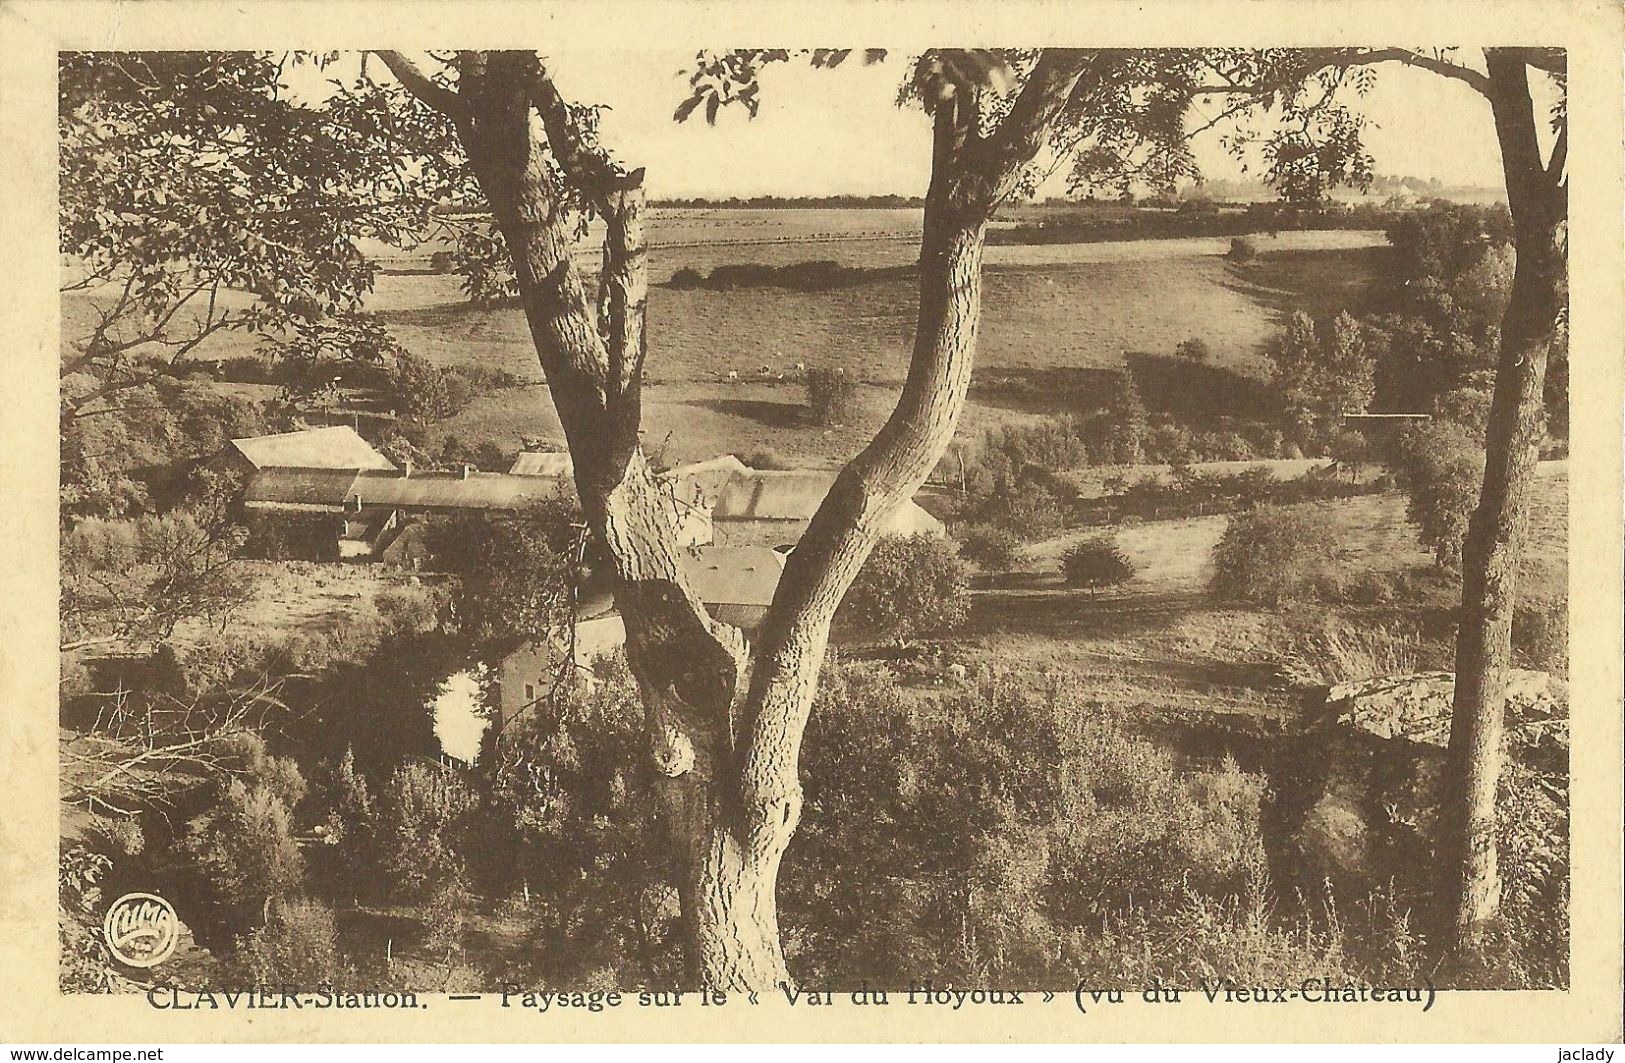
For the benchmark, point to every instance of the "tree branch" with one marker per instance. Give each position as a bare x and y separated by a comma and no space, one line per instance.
419,84
1480,83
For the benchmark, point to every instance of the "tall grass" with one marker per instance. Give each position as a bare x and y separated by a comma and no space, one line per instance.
1341,652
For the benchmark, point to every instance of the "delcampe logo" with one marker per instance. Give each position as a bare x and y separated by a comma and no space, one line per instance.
142,930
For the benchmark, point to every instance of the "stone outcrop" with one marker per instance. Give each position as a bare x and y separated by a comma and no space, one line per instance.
1357,792
1417,708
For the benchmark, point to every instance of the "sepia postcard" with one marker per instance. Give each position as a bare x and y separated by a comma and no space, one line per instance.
1064,522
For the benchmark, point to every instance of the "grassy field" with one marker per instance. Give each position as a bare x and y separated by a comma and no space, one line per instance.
1048,333
1161,640
1056,317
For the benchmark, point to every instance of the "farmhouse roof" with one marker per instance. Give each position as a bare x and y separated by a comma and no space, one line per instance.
334,447
300,487
534,463
734,575
704,480
760,495
796,496
450,490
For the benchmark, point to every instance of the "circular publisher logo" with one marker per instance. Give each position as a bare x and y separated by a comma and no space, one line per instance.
142,930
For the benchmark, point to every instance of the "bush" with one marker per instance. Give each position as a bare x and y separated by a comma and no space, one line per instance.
1095,563
291,536
686,279
1023,830
910,585
1441,466
422,391
424,813
831,395
1261,557
1195,349
1023,506
297,948
1241,249
994,548
239,855
766,459
1540,634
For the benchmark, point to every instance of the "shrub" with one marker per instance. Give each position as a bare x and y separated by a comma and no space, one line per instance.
1095,563
420,390
1441,466
1025,507
909,585
1194,348
1119,434
424,812
409,610
766,459
1242,249
291,536
298,948
1261,557
241,853
1021,827
1540,634
686,278
832,395
1225,446
990,546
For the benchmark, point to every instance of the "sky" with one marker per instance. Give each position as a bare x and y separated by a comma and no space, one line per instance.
822,132
828,132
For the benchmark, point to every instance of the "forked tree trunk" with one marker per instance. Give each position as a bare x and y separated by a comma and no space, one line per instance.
1491,552
725,725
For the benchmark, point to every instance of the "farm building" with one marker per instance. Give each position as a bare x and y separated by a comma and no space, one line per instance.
736,584
334,447
528,673
774,509
423,493
373,510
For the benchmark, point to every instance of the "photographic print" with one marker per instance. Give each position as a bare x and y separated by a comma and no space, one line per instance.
612,526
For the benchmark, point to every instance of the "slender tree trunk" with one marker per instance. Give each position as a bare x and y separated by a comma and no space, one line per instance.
1494,540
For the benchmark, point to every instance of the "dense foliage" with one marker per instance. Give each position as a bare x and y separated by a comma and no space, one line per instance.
910,585
1095,563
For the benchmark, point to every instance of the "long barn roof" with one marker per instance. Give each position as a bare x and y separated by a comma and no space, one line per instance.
334,447
441,490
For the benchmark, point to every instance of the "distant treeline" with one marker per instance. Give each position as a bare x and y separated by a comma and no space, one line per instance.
888,202
1096,223
820,276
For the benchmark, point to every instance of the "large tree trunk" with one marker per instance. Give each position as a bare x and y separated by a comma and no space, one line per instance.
1493,546
725,725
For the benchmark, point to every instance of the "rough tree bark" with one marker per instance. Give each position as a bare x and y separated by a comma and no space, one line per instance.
725,722
1538,199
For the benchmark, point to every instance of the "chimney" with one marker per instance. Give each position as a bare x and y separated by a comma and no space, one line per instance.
408,464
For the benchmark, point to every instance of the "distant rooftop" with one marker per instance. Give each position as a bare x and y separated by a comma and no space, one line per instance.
796,495
334,447
703,481
760,495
